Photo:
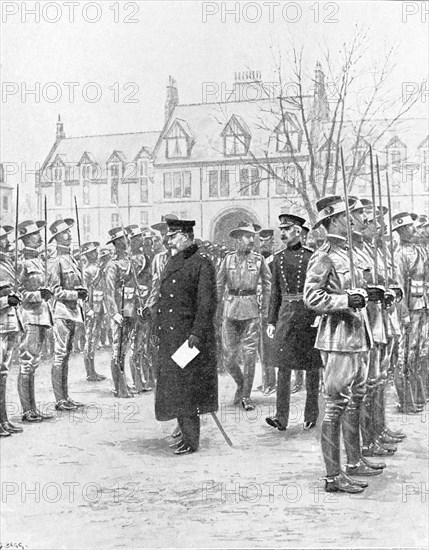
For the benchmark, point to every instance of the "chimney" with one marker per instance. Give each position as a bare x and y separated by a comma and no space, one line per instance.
172,97
321,106
248,85
60,129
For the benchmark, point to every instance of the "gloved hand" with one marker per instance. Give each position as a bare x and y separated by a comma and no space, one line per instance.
154,340
398,292
375,294
356,300
144,313
13,299
82,293
118,319
45,293
194,341
270,331
389,297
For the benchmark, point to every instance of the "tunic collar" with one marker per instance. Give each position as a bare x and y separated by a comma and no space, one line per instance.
296,246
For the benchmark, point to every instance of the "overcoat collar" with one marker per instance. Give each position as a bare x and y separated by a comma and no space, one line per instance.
176,262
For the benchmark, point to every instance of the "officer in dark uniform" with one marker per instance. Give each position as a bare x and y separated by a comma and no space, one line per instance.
185,312
290,324
266,240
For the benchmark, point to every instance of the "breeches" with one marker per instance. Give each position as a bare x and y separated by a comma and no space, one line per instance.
30,348
8,342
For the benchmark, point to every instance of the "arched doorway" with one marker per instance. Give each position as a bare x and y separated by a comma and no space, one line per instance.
227,220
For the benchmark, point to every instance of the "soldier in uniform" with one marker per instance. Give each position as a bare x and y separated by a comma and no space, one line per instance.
90,252
344,339
239,275
139,361
102,330
290,324
185,311
410,266
36,316
120,297
10,326
266,239
69,294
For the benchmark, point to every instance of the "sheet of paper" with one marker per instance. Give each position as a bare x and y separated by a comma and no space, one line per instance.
184,355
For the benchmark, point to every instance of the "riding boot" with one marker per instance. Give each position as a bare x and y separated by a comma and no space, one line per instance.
57,380
350,422
366,415
119,381
235,371
32,394
249,375
331,437
24,392
3,412
136,376
4,421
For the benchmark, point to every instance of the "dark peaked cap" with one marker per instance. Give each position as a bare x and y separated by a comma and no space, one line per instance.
179,226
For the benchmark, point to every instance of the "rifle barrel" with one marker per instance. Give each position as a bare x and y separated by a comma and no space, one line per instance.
349,228
374,215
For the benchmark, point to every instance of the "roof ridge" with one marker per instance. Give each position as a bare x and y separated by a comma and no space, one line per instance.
237,101
113,134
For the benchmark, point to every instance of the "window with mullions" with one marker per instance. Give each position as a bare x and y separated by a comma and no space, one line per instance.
177,185
219,183
114,184
144,180
58,193
286,180
249,182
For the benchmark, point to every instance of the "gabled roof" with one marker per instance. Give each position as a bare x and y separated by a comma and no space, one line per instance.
395,142
208,121
184,127
236,120
101,147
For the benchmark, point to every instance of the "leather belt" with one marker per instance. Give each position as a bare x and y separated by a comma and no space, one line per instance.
292,297
240,292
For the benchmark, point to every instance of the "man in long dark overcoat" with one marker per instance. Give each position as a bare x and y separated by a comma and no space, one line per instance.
185,311
290,323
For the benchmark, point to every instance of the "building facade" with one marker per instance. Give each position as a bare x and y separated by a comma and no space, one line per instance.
219,163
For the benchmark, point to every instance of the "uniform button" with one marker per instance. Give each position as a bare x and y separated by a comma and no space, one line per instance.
170,310
174,280
171,295
159,327
171,328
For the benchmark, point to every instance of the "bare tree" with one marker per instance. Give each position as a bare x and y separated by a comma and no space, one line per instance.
354,111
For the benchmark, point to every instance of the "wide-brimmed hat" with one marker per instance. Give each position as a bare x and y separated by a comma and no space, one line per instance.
29,227
266,234
88,247
133,231
103,252
59,226
355,203
179,226
423,221
329,206
163,223
244,227
115,233
5,230
402,219
287,220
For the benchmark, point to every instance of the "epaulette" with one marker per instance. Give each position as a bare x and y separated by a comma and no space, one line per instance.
308,248
279,251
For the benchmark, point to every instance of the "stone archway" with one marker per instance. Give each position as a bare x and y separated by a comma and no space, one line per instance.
227,220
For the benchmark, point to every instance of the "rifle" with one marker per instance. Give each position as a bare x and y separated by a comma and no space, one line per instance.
389,205
374,214
16,285
45,209
79,242
407,370
122,387
383,226
349,228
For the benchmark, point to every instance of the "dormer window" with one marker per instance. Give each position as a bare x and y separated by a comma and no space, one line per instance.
236,137
396,152
288,134
179,140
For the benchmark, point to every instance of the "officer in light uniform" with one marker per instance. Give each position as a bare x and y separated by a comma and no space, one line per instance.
237,282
